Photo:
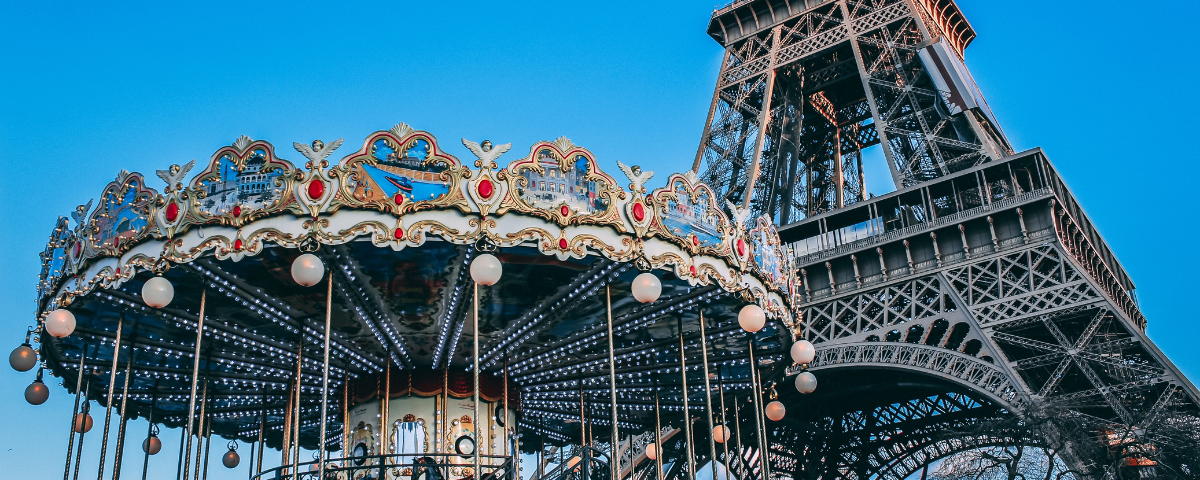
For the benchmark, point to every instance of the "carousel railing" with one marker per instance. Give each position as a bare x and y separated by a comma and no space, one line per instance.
431,466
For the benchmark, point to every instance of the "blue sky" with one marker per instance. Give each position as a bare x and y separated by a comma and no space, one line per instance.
90,89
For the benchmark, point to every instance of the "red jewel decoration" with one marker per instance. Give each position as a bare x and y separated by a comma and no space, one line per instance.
741,247
695,240
172,211
237,244
693,268
565,211
237,210
316,188
398,198
118,270
399,233
639,212
485,188
562,243
78,249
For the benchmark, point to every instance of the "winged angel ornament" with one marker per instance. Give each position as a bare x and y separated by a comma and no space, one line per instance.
318,152
484,151
637,177
174,175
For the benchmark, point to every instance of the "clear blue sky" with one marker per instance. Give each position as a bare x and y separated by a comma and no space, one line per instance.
1105,87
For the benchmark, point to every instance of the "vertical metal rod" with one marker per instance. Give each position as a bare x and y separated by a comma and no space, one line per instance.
612,386
737,432
203,423
712,447
756,392
346,415
207,446
687,414
75,411
191,412
385,410
112,380
179,463
721,395
541,471
262,428
325,379
86,408
150,429
475,373
504,413
658,448
253,446
297,417
286,434
116,475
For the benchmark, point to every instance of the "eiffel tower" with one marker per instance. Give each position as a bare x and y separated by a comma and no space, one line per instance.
958,310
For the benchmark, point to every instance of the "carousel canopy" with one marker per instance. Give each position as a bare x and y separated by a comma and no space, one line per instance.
396,224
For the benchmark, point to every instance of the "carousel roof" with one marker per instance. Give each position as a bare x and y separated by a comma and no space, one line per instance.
397,223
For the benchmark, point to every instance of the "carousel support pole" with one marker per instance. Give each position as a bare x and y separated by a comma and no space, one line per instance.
614,469
86,408
191,412
385,407
286,434
721,396
504,412
150,427
325,379
75,411
207,445
297,418
262,428
183,436
541,471
737,432
112,380
658,449
756,393
712,446
346,416
200,431
116,475
475,373
687,414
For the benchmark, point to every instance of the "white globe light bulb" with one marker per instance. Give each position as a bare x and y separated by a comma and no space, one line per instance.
157,292
776,411
752,318
232,459
308,270
646,288
60,323
803,352
486,269
83,422
806,382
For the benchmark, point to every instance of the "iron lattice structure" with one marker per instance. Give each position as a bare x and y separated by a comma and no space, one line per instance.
978,291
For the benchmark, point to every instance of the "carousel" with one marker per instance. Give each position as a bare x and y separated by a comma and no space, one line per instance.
403,314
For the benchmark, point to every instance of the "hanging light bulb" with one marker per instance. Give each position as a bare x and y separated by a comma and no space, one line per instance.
231,458
776,411
803,352
486,269
720,434
307,270
83,422
646,288
752,318
60,322
23,358
806,382
651,451
37,392
157,292
151,445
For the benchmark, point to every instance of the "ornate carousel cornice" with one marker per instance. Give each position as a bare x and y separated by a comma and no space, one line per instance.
679,227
